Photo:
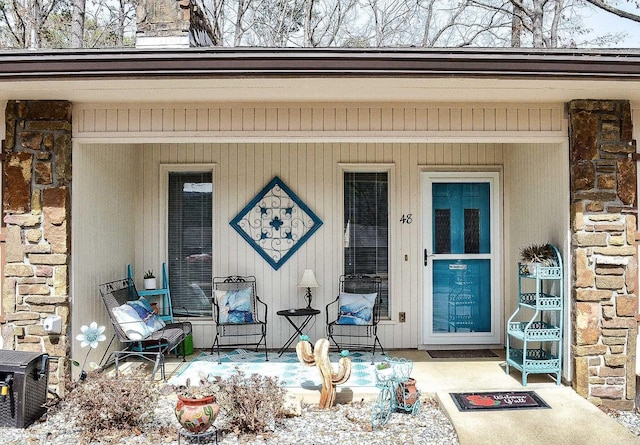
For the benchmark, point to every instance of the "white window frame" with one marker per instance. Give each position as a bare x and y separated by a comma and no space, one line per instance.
165,169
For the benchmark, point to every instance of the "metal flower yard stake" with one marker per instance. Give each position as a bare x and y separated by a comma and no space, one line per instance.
89,336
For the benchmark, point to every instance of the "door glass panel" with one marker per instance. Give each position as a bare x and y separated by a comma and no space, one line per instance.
467,204
462,279
471,230
442,231
461,296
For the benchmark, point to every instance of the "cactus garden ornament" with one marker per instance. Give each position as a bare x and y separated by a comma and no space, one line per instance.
319,356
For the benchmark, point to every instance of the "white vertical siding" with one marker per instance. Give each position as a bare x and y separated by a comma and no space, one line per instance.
128,182
311,171
536,206
191,121
106,213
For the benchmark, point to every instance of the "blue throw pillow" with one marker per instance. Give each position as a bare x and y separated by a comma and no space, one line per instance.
145,311
235,305
356,309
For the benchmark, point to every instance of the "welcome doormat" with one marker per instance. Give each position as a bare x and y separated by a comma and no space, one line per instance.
495,401
461,353
289,371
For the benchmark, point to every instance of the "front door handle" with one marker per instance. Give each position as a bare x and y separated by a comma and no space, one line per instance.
426,257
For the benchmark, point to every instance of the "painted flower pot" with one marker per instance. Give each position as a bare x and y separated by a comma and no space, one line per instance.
150,283
407,393
196,415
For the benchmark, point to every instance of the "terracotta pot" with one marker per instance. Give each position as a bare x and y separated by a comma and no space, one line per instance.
407,393
196,415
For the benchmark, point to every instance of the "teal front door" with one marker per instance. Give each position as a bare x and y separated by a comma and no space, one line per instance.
460,228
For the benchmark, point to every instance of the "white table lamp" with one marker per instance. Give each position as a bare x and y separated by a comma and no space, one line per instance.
308,280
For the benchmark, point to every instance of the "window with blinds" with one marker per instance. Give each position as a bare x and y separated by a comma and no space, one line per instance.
366,228
190,230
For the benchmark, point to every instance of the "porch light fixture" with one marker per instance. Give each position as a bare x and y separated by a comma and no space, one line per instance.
308,280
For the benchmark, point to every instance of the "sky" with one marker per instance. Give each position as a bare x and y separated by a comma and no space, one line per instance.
603,22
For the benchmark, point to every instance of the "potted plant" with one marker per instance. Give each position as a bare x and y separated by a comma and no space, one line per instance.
149,280
535,254
196,408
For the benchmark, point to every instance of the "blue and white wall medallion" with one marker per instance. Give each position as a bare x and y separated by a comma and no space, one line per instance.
276,223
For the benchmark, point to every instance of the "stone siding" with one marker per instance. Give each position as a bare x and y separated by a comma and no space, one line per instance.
605,263
36,212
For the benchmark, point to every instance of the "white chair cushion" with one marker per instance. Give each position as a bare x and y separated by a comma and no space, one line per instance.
131,323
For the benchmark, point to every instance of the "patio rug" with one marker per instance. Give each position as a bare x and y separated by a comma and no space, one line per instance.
461,353
495,401
290,372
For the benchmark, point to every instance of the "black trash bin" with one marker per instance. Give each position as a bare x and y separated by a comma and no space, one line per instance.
24,379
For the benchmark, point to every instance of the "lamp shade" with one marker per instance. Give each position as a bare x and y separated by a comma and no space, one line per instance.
308,279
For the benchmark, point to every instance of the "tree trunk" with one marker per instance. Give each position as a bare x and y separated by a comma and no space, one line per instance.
243,6
537,22
121,17
308,32
77,23
516,26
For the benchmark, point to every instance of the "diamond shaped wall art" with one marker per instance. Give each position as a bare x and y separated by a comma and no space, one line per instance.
276,223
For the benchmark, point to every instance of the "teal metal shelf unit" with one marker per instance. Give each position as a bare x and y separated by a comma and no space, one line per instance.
536,325
162,295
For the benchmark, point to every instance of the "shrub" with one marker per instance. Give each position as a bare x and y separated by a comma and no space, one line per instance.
105,404
251,404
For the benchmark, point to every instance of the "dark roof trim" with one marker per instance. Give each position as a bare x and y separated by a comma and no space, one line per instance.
264,62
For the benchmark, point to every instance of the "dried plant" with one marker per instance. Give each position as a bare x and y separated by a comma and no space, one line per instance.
251,404
538,253
205,388
104,404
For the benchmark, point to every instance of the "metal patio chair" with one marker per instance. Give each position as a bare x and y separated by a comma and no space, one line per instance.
352,318
238,313
152,347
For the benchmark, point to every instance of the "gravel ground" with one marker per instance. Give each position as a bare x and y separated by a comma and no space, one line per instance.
348,424
629,419
344,424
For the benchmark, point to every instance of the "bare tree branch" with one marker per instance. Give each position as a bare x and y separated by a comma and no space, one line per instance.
616,11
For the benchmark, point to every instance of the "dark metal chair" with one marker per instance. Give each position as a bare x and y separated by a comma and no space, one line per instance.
153,347
238,313
352,318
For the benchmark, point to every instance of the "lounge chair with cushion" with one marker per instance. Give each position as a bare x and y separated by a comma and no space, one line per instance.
136,327
239,313
352,318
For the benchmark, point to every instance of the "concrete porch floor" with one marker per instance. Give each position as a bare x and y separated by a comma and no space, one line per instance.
571,419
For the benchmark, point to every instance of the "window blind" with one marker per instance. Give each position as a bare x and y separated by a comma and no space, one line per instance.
366,220
190,230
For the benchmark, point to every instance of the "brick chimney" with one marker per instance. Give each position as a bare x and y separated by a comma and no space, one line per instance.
172,24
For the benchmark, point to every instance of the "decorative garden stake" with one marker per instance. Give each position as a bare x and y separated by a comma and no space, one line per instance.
319,356
90,336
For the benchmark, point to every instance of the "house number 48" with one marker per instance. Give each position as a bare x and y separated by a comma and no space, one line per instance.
407,219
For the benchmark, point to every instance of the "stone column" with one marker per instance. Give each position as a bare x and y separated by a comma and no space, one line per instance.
605,263
37,214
